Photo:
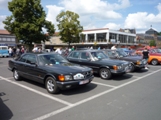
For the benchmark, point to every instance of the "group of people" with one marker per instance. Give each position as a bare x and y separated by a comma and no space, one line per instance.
16,51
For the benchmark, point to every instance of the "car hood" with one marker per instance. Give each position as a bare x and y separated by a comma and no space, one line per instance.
132,58
66,68
112,62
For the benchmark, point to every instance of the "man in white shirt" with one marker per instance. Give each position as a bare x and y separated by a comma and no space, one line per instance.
59,50
35,49
113,47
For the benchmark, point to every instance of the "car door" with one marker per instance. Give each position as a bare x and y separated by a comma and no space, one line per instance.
32,68
20,65
74,57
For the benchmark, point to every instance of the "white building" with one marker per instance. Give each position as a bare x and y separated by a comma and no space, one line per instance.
107,36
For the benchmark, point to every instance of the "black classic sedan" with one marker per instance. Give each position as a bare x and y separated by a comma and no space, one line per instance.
51,69
137,62
99,62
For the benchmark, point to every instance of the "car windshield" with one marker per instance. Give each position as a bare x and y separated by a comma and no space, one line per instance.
97,55
51,59
158,50
122,53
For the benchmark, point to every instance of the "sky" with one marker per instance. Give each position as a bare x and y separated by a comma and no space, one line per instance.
95,14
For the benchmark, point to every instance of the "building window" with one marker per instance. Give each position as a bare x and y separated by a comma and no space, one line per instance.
3,39
12,39
8,39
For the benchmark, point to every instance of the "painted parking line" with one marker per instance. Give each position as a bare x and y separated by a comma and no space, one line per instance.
107,85
93,97
38,92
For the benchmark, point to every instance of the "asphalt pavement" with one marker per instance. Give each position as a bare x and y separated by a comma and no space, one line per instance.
133,96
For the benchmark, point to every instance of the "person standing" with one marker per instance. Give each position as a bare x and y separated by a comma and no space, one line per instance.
145,54
72,48
113,47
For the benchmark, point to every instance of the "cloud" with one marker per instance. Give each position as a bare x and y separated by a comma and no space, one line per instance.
113,26
89,11
2,18
97,8
4,4
143,20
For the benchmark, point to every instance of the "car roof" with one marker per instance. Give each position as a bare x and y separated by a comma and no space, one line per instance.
88,50
41,53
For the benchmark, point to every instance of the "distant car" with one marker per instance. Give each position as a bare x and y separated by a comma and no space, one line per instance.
99,62
4,51
137,62
50,69
154,58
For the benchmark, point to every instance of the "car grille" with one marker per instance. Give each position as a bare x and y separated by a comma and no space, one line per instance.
125,65
87,74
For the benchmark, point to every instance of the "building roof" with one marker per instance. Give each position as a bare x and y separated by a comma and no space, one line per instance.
151,31
96,29
4,32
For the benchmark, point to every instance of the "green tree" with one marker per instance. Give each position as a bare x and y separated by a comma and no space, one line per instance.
152,43
69,27
27,22
159,33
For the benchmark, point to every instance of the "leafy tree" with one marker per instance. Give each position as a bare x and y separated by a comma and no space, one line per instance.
28,21
69,27
159,33
152,43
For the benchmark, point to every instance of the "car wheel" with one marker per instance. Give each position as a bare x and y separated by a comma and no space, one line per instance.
16,75
51,85
154,62
132,68
105,73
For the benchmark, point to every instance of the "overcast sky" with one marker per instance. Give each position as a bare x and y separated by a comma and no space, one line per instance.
112,14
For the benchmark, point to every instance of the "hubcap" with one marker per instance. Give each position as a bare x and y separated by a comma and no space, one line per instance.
154,62
104,73
16,74
50,85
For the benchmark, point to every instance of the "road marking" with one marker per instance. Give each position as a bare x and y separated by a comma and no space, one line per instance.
9,78
103,84
91,98
38,92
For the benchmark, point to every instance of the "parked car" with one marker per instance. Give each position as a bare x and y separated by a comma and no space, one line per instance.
154,58
137,62
4,51
50,69
99,62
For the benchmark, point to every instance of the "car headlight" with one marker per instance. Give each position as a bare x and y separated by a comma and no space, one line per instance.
64,77
115,67
138,62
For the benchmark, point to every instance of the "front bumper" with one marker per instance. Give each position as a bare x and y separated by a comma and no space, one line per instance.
74,83
140,66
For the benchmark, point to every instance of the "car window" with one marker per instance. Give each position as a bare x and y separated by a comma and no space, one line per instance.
76,54
111,53
98,55
31,59
23,58
51,59
85,55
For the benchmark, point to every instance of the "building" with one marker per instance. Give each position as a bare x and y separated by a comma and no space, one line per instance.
104,38
149,35
7,39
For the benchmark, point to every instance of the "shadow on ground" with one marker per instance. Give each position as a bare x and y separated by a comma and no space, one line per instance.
5,112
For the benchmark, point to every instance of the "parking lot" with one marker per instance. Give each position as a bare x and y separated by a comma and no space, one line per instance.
133,96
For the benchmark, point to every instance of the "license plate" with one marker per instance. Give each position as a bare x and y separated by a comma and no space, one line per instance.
83,82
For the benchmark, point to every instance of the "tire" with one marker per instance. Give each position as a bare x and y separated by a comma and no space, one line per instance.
16,75
132,69
51,85
154,62
105,73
